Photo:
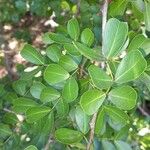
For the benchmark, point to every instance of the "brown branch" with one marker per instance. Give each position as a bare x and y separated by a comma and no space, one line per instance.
50,140
143,111
92,126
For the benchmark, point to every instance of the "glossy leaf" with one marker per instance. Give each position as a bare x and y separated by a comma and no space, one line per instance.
68,136
49,94
87,37
92,99
32,55
33,114
36,89
73,29
124,97
141,43
87,52
70,90
55,73
131,67
68,63
54,52
82,120
22,104
99,77
114,37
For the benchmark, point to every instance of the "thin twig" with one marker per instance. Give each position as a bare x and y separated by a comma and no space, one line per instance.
9,111
92,126
143,111
50,140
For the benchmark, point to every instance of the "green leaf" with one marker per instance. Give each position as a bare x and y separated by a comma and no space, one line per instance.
87,37
92,99
55,73
73,29
46,38
99,77
20,87
117,116
82,120
70,48
107,145
68,136
68,63
131,67
70,90
100,122
124,97
10,118
22,104
5,130
54,52
32,55
141,43
59,38
145,78
49,94
114,37
62,108
87,52
36,89
120,145
35,113
147,15
117,7
31,147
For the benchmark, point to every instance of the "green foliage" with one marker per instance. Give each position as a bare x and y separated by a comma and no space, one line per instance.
78,78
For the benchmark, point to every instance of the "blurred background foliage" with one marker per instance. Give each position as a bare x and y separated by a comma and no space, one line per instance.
24,21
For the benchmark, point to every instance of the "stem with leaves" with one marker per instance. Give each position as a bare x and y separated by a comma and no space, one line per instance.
93,120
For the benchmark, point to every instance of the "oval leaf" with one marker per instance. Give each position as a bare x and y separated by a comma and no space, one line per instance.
68,136
82,120
35,113
73,29
99,78
92,99
31,147
123,97
87,52
114,37
53,52
70,91
36,89
87,37
54,74
68,63
49,94
131,67
32,55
